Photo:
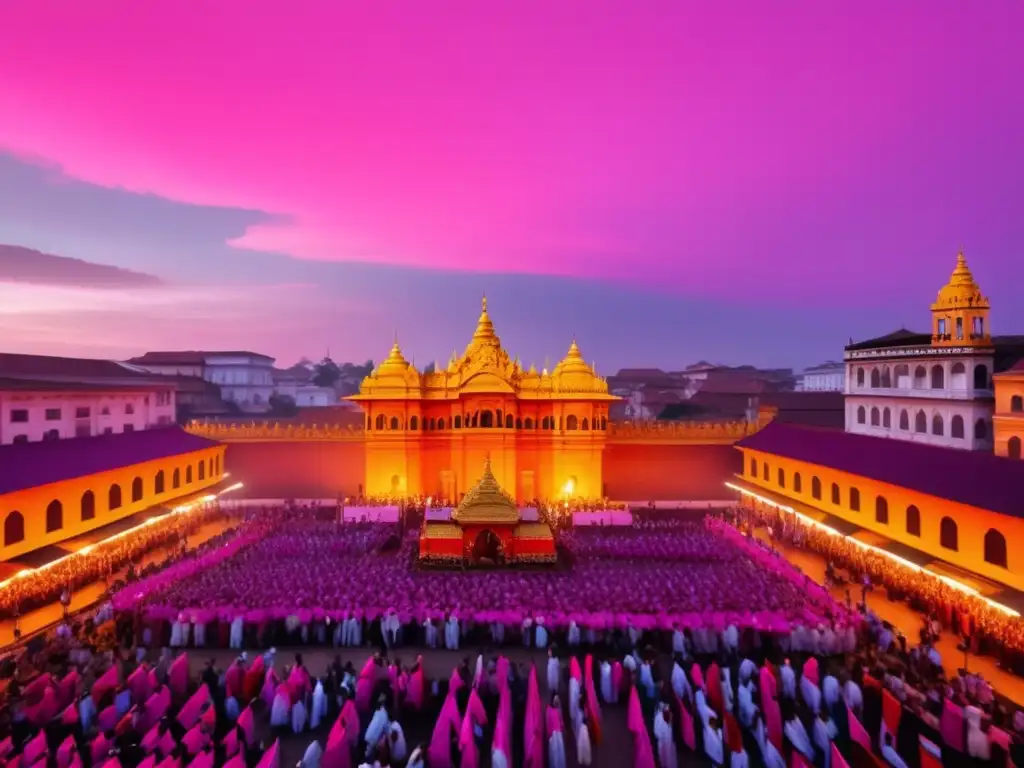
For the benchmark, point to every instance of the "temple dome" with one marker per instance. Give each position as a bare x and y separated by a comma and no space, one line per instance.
574,375
394,371
486,503
961,292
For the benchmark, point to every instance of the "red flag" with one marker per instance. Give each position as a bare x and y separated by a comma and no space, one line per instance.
891,712
799,761
930,754
838,761
857,732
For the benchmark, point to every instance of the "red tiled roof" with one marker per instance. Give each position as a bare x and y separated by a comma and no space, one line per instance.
974,478
45,385
731,383
189,357
66,368
29,465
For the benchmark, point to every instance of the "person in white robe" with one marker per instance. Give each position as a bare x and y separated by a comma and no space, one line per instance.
556,741
680,685
770,756
892,757
811,694
298,717
397,738
606,681
739,759
574,702
678,642
199,632
280,709
667,755
554,672
853,698
727,694
747,670
713,746
747,707
430,633
312,755
542,633
824,731
647,679
573,635
86,712
237,633
378,727
634,635
527,631
497,633
231,709
707,714
797,735
498,759
584,750
123,701
451,634
978,745
788,677
830,691
417,757
176,641
731,639
318,710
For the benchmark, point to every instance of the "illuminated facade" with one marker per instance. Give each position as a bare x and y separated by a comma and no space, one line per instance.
427,434
1008,421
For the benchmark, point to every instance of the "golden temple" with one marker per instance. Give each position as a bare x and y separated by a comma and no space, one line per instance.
542,434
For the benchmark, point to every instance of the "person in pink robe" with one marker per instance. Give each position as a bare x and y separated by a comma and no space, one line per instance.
416,691
554,731
469,752
440,749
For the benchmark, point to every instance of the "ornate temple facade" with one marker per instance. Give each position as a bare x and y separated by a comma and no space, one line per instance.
427,434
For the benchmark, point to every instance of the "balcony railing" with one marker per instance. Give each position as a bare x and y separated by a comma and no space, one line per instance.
927,393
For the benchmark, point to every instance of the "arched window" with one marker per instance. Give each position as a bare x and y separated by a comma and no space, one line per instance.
981,377
158,482
860,377
458,422
980,430
486,419
176,478
440,423
995,548
855,499
414,423
861,415
509,421
837,498
431,424
958,376
209,465
571,422
14,528
114,497
753,467
767,471
394,425
584,424
881,510
129,409
956,426
528,423
201,467
938,377
886,418
545,423
188,475
137,484
781,474
920,422
1016,404
876,378
876,417
904,420
886,378
604,422
913,521
948,534
88,506
379,422
54,516
499,418
937,425
797,483
1013,448
920,377
816,488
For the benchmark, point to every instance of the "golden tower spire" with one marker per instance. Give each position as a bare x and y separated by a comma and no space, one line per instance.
960,311
484,327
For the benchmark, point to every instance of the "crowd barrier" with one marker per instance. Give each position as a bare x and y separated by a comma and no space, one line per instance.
370,514
607,517
703,504
438,514
233,503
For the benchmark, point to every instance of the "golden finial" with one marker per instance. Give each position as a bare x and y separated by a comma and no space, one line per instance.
483,303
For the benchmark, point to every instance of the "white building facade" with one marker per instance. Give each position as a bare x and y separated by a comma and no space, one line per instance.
245,378
827,377
933,387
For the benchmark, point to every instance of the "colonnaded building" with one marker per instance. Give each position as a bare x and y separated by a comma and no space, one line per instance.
546,433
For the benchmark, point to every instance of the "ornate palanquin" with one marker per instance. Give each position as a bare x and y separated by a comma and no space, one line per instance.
486,524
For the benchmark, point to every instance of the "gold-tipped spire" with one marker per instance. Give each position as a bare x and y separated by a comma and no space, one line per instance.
486,502
961,290
484,327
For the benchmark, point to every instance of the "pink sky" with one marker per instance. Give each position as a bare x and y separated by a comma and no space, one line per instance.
720,150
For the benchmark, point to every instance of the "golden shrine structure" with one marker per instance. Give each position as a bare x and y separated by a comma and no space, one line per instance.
486,528
542,433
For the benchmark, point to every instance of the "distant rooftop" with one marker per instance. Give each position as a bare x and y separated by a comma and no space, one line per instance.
190,357
68,369
30,465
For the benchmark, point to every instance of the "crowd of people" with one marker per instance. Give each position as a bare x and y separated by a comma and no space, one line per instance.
662,540
344,571
984,628
103,561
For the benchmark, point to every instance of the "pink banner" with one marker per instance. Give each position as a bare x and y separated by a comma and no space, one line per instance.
617,517
370,514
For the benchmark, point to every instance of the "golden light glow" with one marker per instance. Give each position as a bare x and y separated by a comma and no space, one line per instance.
181,509
569,488
959,586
